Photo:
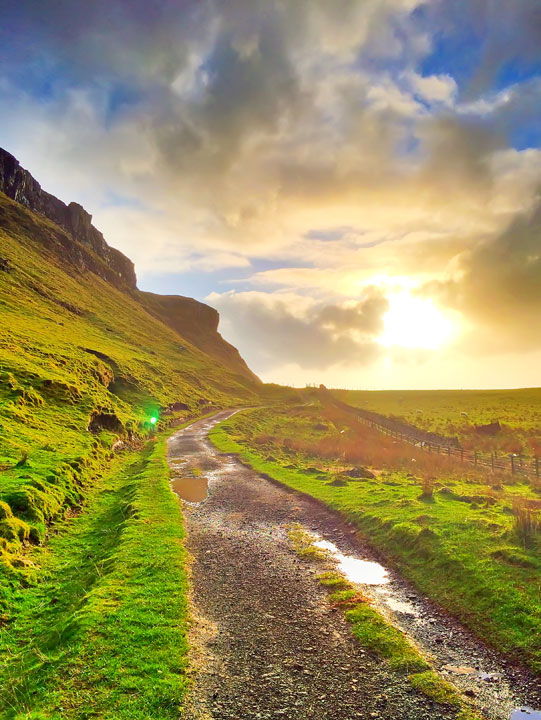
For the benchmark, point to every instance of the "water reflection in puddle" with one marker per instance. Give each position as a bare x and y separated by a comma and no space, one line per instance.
192,489
525,713
363,572
400,606
366,572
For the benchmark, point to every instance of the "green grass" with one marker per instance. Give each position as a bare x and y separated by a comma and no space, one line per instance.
74,348
432,685
442,412
459,545
371,629
102,631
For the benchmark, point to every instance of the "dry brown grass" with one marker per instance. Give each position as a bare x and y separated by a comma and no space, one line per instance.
527,519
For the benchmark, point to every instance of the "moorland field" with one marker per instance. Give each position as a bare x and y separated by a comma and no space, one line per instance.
461,413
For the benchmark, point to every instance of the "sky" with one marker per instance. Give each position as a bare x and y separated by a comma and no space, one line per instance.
354,185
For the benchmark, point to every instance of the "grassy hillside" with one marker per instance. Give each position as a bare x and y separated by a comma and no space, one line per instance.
82,364
468,539
92,576
459,412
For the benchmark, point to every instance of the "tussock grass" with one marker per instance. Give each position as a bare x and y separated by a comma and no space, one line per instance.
527,520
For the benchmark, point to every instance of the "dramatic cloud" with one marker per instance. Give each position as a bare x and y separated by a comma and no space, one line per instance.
293,331
331,151
499,286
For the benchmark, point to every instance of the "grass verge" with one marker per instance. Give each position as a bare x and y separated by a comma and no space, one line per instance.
102,633
378,635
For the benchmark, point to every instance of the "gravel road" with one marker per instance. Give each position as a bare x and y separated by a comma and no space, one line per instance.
267,643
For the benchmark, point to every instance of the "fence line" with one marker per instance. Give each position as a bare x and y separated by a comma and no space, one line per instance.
515,464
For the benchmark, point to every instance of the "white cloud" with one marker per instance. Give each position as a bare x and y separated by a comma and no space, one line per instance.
433,88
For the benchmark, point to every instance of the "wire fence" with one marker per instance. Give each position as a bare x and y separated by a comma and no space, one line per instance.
511,463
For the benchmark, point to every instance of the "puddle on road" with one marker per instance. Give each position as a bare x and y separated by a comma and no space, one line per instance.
367,572
525,713
192,489
400,606
363,572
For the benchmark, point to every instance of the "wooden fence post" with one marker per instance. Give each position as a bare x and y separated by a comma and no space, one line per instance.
512,464
492,461
475,457
461,455
536,466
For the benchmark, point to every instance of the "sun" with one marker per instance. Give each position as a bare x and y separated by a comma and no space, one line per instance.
414,322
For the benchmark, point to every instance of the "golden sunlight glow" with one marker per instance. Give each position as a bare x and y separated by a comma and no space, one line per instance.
414,322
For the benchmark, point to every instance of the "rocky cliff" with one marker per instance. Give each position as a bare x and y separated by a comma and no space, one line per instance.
19,185
76,242
198,323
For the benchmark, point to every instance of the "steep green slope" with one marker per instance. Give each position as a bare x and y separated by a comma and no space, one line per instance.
82,363
93,607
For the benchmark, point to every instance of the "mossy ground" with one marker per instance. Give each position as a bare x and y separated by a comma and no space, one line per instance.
101,632
459,543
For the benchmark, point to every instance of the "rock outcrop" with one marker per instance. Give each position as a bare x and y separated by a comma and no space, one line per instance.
19,185
198,323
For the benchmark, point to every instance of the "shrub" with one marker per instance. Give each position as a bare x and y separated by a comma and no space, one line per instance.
427,486
527,520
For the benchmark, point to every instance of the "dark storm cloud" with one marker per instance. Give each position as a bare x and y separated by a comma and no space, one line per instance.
365,316
505,33
499,287
124,40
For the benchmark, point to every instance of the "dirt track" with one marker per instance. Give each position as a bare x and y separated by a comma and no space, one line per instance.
269,644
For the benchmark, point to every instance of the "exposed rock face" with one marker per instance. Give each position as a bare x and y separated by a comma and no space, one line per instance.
198,323
19,185
77,242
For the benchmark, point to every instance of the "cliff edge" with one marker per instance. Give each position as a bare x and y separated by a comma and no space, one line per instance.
19,185
77,243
